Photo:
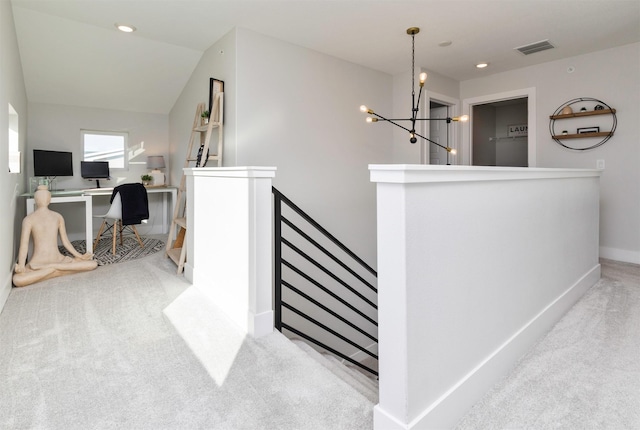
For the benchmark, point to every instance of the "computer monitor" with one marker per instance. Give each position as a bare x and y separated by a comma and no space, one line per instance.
94,171
52,163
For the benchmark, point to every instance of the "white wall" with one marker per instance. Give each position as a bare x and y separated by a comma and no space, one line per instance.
12,90
57,127
298,110
611,76
219,62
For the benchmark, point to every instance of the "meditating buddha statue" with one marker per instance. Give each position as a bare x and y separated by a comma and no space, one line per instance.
44,226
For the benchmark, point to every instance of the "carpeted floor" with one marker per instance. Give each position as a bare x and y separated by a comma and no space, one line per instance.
584,374
94,350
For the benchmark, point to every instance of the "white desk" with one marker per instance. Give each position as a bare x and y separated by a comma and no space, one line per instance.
86,196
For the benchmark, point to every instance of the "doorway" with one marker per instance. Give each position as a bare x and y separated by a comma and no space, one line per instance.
499,128
446,134
438,132
500,133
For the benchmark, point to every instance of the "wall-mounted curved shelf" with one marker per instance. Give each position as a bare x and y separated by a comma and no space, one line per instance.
605,135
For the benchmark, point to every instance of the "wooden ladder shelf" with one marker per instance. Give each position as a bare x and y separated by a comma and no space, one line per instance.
197,156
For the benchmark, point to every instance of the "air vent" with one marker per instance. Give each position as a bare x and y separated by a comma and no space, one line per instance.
531,48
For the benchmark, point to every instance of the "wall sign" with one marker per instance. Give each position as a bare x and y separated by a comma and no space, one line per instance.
518,130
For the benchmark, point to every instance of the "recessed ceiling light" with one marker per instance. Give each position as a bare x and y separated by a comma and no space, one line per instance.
482,65
125,28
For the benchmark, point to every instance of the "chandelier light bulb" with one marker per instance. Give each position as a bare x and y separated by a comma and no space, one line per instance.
452,151
423,78
364,109
463,118
370,119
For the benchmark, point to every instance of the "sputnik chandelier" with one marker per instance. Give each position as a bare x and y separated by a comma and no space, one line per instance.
412,31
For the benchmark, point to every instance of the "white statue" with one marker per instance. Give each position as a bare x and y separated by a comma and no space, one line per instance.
47,262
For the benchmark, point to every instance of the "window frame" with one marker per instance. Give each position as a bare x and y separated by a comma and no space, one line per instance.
125,150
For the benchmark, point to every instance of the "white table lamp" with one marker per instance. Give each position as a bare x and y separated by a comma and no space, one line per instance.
156,162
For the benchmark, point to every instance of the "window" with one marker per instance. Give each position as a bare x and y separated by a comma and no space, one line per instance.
14,141
105,146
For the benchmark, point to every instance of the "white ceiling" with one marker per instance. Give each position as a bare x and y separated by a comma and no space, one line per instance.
72,54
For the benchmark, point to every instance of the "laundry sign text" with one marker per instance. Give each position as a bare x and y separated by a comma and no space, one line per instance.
518,130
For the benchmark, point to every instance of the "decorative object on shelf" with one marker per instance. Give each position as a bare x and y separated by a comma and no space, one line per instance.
585,130
412,31
156,162
146,179
565,112
205,117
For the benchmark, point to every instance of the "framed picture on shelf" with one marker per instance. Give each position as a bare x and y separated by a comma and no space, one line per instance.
215,86
585,130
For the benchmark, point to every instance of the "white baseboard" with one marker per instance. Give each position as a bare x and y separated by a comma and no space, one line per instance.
384,421
260,324
5,289
188,271
446,411
620,255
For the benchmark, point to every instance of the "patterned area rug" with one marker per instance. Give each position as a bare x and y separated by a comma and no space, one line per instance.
129,250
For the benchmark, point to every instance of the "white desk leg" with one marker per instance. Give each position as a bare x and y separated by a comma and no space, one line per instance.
88,206
164,213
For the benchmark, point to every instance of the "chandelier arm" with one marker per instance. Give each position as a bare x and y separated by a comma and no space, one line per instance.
392,121
446,148
409,119
433,119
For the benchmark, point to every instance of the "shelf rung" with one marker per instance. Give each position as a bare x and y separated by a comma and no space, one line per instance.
174,254
182,222
202,128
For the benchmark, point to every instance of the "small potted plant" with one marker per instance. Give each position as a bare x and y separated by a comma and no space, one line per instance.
205,117
146,179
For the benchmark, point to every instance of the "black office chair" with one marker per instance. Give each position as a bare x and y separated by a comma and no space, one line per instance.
129,206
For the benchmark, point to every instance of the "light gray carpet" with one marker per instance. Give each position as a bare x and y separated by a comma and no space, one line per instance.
95,351
584,374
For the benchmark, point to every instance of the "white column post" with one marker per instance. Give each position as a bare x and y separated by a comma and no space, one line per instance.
229,251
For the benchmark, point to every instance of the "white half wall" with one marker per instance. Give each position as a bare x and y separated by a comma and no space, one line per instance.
474,265
229,243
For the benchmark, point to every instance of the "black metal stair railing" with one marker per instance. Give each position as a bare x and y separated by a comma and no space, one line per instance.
324,293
